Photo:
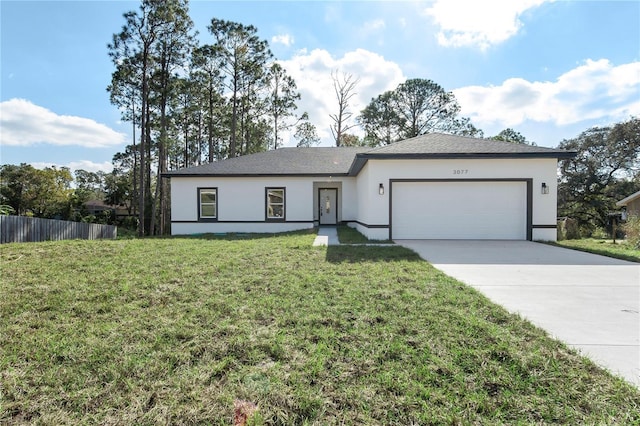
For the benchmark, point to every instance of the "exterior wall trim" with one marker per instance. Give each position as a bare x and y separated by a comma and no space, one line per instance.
266,204
366,225
242,221
207,219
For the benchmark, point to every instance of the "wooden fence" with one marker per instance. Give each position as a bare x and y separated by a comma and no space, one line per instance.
22,229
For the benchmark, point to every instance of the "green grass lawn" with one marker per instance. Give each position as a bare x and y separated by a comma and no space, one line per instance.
619,250
175,330
349,235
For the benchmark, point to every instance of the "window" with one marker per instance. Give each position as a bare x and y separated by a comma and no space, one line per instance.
275,203
208,203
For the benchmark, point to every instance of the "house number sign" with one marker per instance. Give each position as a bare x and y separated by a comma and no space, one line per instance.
460,171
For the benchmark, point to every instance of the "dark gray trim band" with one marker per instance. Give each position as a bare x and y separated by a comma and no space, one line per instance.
243,221
366,225
362,158
177,174
544,226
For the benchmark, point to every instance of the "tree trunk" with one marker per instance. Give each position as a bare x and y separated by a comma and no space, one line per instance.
143,137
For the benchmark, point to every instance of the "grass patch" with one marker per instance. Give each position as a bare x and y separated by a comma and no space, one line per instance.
178,330
619,250
349,235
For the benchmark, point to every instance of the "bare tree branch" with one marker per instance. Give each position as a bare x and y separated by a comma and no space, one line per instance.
344,88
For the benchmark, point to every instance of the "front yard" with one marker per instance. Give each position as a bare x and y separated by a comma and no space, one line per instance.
175,330
620,250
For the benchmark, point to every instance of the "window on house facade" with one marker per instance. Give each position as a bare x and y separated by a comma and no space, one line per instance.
275,203
208,203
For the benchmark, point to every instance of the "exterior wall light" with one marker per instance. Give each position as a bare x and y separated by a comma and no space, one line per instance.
381,189
544,189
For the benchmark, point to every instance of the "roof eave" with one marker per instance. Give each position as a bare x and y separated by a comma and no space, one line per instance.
362,158
226,175
628,199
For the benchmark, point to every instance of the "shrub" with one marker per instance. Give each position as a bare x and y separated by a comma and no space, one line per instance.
6,210
568,229
632,230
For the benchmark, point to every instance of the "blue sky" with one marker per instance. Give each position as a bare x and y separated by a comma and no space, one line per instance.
548,69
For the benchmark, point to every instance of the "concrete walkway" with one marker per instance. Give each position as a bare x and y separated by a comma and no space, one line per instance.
327,236
590,302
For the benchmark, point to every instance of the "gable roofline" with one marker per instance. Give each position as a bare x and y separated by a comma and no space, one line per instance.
362,159
435,146
314,161
172,174
628,199
349,161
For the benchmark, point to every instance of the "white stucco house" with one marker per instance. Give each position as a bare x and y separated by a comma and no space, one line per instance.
434,186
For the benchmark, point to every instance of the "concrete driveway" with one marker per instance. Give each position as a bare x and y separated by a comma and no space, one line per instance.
590,302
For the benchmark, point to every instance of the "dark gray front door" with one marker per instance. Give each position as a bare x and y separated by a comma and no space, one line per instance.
328,206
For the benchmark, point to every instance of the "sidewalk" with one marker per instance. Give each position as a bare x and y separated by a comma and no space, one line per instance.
327,236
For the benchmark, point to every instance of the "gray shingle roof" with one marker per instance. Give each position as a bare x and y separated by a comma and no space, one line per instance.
443,144
325,161
316,161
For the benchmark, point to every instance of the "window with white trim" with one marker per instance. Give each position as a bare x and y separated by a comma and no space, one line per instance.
275,203
208,203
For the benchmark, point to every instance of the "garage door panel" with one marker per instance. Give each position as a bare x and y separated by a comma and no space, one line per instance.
459,210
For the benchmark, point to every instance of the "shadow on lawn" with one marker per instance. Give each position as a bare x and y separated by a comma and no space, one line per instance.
354,254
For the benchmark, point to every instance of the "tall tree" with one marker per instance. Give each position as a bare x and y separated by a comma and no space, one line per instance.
281,101
43,193
415,107
344,88
380,120
152,43
424,107
607,159
208,80
242,59
349,139
132,48
119,184
462,126
510,135
174,45
306,133
89,184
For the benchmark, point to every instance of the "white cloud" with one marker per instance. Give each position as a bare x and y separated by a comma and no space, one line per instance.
87,165
23,124
594,90
90,166
284,39
312,73
478,23
373,26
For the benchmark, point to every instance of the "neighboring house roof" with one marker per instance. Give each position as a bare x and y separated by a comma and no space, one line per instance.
350,160
629,199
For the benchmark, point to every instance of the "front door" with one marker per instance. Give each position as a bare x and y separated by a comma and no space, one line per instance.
328,206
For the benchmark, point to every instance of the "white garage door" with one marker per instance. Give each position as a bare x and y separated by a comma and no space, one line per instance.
459,210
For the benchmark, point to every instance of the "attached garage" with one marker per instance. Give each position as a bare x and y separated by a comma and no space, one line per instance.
461,209
433,186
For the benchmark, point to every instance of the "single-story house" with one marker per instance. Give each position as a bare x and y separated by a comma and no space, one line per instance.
435,186
631,205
